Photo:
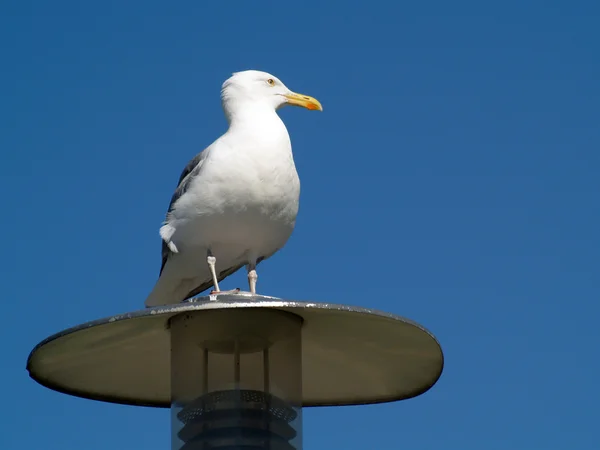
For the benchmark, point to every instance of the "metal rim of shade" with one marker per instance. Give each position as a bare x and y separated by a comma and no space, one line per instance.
351,355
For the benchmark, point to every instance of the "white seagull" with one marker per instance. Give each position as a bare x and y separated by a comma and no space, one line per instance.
236,201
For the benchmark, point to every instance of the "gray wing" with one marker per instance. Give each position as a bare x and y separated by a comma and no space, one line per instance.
191,170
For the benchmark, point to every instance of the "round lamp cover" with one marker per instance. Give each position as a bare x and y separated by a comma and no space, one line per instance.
350,355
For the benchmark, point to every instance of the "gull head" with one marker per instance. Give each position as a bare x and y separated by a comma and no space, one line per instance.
252,88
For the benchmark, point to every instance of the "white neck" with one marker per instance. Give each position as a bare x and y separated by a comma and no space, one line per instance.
253,117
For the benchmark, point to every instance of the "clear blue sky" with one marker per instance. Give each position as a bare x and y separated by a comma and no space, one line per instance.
452,179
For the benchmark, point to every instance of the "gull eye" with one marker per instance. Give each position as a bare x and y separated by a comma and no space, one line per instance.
271,82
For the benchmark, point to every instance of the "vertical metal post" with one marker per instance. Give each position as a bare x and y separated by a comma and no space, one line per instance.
236,380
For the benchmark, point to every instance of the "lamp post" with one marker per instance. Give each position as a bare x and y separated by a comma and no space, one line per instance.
236,370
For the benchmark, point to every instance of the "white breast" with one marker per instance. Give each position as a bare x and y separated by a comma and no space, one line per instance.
245,199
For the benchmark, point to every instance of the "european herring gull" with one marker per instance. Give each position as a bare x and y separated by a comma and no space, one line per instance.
236,201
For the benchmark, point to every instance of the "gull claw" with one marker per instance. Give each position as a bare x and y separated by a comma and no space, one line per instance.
232,291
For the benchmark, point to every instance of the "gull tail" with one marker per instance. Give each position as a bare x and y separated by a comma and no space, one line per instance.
169,290
172,287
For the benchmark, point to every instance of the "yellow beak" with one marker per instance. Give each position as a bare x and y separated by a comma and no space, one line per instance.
304,100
